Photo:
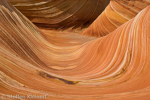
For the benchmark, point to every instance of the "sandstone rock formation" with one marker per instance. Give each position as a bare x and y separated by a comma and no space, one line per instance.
64,65
61,14
116,13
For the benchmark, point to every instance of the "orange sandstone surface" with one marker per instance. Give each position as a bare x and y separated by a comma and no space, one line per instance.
116,13
66,65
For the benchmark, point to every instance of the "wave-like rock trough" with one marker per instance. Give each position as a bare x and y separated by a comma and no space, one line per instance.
61,14
62,60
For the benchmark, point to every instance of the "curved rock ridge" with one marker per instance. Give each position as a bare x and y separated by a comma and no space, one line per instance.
114,67
115,14
61,14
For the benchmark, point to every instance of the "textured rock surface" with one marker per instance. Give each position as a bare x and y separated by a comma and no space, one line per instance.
61,13
116,13
71,66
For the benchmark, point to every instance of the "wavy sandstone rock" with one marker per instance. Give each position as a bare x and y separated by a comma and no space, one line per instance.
34,62
116,13
61,13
